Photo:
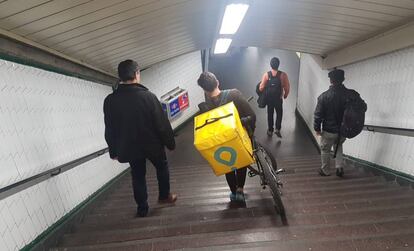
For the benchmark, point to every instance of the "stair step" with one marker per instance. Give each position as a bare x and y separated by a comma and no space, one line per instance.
294,217
293,235
295,207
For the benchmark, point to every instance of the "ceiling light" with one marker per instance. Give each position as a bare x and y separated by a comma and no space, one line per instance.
233,16
222,45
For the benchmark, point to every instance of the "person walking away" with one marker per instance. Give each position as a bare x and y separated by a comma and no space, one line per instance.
275,84
215,97
137,129
327,122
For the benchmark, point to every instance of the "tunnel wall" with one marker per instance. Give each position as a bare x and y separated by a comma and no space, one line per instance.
46,120
386,84
182,71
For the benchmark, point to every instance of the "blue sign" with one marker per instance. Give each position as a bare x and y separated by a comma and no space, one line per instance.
174,108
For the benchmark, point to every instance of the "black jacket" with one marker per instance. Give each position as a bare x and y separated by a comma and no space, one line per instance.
330,109
135,124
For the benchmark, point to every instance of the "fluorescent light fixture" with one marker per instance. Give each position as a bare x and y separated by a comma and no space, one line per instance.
233,16
298,54
222,45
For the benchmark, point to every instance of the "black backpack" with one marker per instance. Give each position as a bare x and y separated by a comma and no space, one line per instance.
354,115
274,87
353,118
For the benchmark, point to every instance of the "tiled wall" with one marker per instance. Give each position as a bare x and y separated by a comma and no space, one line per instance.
26,215
386,83
182,71
47,119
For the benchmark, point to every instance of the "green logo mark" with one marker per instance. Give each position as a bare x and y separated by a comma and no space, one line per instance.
233,156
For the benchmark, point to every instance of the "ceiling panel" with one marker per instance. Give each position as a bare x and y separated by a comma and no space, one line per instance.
103,32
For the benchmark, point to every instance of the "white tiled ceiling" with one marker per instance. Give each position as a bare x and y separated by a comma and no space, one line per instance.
103,32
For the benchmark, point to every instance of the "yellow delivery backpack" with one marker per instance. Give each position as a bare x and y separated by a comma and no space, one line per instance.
221,139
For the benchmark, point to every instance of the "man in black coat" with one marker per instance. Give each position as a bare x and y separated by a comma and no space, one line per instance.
327,121
137,129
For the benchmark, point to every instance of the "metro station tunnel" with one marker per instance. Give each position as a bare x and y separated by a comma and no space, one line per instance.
282,125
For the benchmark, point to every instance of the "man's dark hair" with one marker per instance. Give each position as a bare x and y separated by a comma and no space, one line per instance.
207,81
337,76
274,63
127,70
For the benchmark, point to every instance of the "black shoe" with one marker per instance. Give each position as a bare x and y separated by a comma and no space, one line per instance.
322,173
142,211
172,197
340,172
277,132
270,133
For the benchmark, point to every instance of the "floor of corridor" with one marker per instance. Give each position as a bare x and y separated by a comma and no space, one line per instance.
359,212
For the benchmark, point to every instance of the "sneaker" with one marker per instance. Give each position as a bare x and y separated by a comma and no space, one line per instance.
142,211
233,196
277,132
240,197
270,133
322,173
170,199
340,172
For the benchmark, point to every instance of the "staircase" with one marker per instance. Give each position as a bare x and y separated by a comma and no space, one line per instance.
358,212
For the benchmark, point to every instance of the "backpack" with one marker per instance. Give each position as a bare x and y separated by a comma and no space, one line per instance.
274,87
354,115
353,118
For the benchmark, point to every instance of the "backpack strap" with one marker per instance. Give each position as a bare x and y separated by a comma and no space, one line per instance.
223,99
279,75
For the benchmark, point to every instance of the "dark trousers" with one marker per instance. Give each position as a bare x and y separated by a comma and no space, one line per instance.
139,183
271,108
236,179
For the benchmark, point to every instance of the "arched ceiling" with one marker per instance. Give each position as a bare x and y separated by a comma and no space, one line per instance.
104,32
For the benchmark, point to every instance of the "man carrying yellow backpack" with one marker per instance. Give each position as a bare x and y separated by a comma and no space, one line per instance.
215,97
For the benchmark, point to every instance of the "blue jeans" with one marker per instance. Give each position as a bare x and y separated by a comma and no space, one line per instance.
139,183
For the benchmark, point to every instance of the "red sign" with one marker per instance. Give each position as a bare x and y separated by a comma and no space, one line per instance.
183,101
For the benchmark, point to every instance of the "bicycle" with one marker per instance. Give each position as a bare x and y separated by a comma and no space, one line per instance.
267,171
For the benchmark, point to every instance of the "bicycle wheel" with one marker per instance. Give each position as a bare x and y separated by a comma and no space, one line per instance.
269,166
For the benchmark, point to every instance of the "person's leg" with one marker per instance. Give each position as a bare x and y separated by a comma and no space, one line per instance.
339,159
241,177
139,185
270,118
326,146
160,163
241,180
279,116
232,181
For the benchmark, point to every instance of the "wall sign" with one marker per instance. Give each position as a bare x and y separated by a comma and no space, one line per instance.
174,102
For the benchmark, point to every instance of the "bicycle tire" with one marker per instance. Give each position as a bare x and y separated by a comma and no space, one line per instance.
270,176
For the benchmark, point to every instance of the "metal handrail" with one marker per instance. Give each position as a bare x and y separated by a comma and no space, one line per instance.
36,179
390,130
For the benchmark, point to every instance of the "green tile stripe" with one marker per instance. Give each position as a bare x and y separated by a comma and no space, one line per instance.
383,169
